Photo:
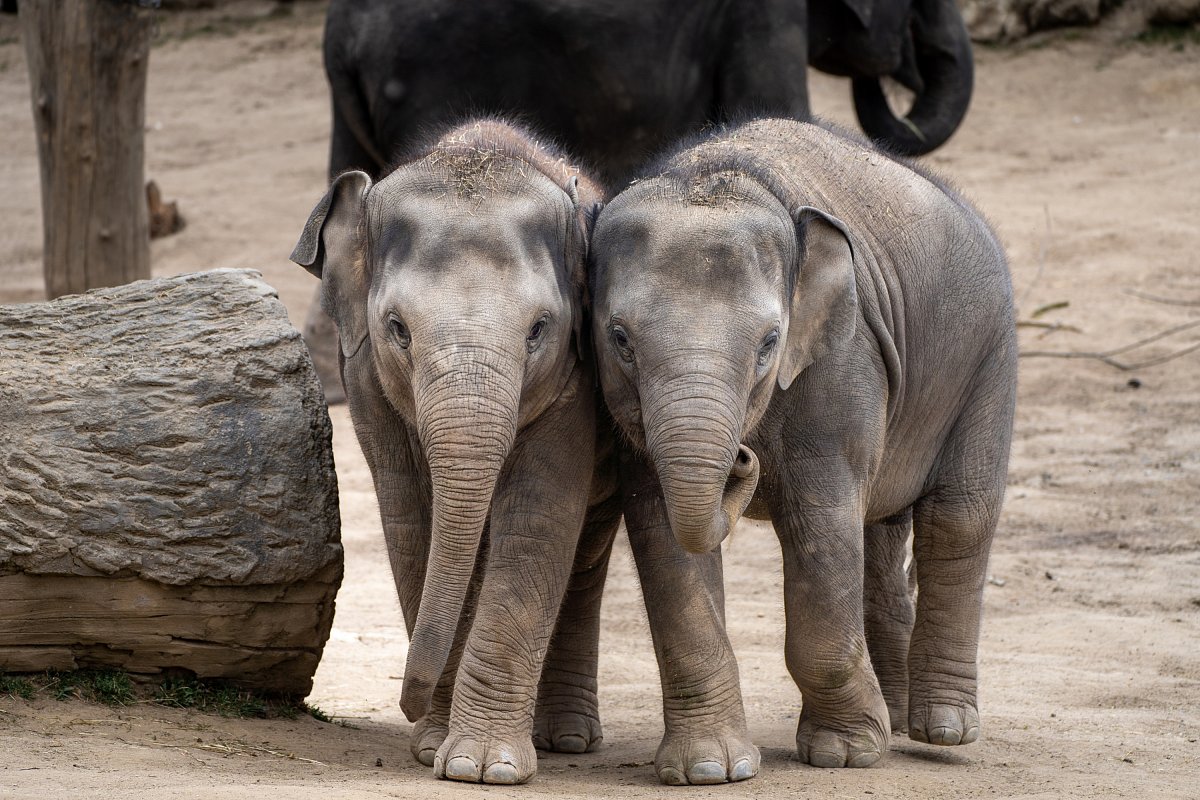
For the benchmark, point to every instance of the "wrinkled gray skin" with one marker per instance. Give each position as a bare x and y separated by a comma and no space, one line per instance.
787,315
456,283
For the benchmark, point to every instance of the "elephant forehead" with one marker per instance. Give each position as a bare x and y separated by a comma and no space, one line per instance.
504,231
714,250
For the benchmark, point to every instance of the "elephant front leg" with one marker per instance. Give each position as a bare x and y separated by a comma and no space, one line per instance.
844,719
536,518
568,718
706,739
430,731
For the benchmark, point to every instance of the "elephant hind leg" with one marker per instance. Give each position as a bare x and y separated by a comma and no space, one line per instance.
953,526
888,610
568,717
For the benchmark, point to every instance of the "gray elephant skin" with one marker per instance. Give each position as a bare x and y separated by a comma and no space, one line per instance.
616,82
792,325
457,283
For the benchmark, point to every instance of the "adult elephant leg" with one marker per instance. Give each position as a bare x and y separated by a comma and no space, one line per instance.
952,535
568,718
536,518
942,58
844,719
706,739
321,338
888,610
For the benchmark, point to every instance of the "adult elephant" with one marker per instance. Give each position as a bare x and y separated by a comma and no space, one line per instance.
617,81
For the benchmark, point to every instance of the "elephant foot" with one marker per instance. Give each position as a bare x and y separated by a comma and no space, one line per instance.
567,732
827,745
942,722
427,737
897,713
720,756
486,759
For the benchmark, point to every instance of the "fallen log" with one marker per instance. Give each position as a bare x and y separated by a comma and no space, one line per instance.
167,495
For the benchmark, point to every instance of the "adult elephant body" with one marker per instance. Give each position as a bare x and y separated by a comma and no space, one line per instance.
613,81
785,314
617,81
457,286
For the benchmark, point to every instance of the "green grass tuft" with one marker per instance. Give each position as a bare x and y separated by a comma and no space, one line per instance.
113,687
107,686
15,686
1177,37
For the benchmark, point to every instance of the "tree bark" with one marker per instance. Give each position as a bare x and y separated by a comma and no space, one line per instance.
87,72
167,493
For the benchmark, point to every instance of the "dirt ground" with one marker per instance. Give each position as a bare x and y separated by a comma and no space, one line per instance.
1084,150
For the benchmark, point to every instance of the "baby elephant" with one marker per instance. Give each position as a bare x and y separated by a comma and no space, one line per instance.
457,285
784,315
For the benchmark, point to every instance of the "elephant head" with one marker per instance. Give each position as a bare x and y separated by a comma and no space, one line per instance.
460,276
923,46
708,294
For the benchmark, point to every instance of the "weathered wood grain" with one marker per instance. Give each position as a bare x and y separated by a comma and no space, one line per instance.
87,72
167,494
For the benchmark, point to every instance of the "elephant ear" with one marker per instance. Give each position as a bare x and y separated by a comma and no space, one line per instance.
586,207
824,302
332,247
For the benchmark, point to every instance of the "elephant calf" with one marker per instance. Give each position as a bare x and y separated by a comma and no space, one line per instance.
456,283
786,316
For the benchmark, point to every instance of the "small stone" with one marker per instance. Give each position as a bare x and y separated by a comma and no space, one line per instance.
379,762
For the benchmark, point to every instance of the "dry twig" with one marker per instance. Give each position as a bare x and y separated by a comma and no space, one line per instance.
1109,356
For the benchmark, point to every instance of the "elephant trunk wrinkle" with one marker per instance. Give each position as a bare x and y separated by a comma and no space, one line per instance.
707,475
467,438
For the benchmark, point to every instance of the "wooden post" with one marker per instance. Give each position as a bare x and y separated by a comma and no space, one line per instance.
87,71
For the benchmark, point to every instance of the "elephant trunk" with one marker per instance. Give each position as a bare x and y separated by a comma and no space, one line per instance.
467,424
940,67
707,477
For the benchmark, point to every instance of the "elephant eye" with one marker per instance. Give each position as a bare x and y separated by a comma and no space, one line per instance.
621,341
536,331
767,348
399,332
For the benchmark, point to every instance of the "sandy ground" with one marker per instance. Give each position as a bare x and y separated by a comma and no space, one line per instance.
1084,149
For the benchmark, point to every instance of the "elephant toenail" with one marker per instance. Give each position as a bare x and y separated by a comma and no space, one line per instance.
969,736
439,770
863,759
742,770
501,772
571,743
462,768
427,756
944,736
826,760
706,772
672,777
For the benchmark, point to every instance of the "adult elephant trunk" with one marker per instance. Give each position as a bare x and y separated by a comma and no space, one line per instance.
939,68
707,476
467,421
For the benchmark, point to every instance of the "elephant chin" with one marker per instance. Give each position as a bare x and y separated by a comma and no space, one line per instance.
702,520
